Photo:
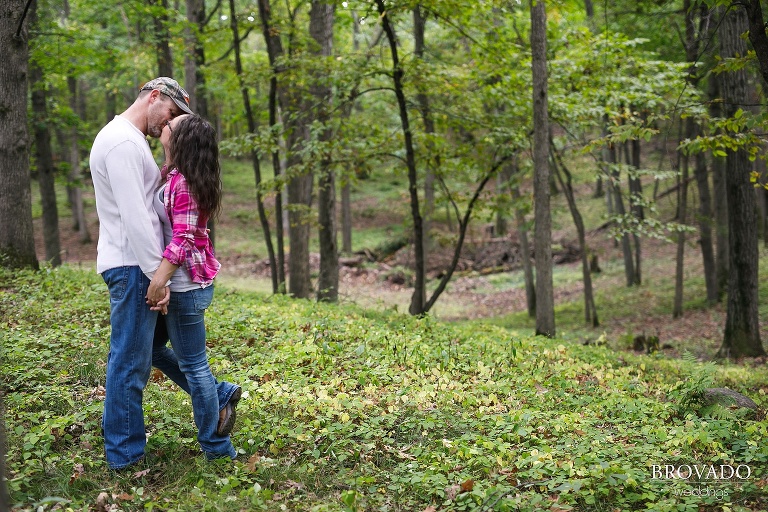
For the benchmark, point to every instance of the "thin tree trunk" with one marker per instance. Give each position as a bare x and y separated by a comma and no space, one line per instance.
346,187
500,227
5,499
419,23
525,255
545,302
463,225
677,308
590,310
722,262
162,36
418,299
17,243
626,243
274,52
45,169
705,32
321,19
277,173
74,180
254,154
299,186
757,34
742,328
636,188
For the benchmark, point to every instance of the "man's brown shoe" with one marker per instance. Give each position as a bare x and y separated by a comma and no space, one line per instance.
227,416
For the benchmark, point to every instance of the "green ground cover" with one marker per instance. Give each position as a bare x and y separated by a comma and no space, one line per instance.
346,409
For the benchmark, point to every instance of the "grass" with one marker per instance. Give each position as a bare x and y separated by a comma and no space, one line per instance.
347,409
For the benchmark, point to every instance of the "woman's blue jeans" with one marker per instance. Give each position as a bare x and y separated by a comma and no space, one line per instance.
187,365
128,365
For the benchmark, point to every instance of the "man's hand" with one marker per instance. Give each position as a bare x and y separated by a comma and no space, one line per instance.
158,297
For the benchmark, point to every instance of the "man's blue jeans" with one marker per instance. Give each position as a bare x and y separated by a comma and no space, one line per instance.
128,365
187,366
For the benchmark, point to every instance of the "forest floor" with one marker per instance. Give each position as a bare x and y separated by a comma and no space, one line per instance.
491,294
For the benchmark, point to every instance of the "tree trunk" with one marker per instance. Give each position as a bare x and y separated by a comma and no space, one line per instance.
44,158
277,172
418,299
321,19
742,328
618,205
75,177
299,186
346,187
433,162
162,36
500,227
525,256
254,154
636,189
722,262
45,170
545,302
463,225
677,308
17,243
590,310
757,35
5,500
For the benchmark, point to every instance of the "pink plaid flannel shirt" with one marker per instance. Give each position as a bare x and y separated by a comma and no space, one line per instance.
190,247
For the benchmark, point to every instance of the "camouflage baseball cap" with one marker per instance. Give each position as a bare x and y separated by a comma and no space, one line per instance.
170,88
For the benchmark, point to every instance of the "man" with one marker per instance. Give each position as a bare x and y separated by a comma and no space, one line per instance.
124,176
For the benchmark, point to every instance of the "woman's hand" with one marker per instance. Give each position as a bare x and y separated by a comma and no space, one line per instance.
159,293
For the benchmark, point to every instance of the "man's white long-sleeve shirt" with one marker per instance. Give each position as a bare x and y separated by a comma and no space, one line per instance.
125,176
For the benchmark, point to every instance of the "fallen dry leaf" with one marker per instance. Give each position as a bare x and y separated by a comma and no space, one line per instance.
430,508
253,461
101,502
467,485
451,491
141,473
79,470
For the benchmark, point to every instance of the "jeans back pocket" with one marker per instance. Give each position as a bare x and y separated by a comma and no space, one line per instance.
117,282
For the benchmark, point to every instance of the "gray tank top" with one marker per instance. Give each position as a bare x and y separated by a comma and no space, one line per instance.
180,280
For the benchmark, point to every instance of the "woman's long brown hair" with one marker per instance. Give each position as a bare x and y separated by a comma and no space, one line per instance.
194,151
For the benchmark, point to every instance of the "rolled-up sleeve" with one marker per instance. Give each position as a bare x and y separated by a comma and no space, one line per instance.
185,215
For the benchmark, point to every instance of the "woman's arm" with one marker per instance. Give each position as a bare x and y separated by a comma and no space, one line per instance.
159,293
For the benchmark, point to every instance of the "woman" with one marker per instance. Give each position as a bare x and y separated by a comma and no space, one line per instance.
190,194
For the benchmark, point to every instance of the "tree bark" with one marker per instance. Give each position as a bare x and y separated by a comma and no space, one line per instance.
17,243
677,308
194,59
5,500
75,178
525,256
757,35
321,18
45,170
418,299
433,161
636,207
705,32
722,262
254,154
162,36
44,157
590,310
545,302
300,184
742,328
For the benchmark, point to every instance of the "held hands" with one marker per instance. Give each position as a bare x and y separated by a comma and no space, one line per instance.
158,296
